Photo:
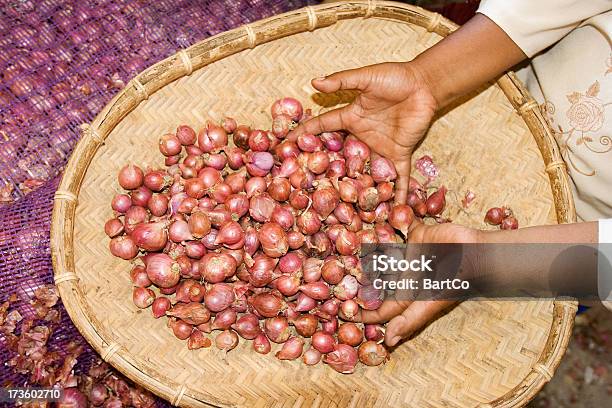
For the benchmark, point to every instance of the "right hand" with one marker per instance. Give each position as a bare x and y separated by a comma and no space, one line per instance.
391,114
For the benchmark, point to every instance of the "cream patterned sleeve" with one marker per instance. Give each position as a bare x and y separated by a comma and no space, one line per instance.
536,24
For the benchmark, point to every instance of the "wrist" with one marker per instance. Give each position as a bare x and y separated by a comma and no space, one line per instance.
424,81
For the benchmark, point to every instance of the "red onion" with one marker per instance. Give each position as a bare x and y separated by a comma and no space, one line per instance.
349,190
286,150
219,216
494,216
347,242
273,240
382,212
134,216
305,303
343,359
333,141
344,212
267,304
291,349
143,297
258,163
369,297
302,179
219,297
199,224
255,186
97,395
318,245
281,125
139,277
372,354
251,242
192,313
72,398
435,203
113,227
305,325
283,216
247,326
216,267
367,236
224,319
210,177
350,334
241,136
349,309
347,288
181,329
158,204
509,223
312,270
382,170
237,181
311,356
309,143
336,169
323,342
299,199
318,162
356,148
374,332
308,222
385,234
258,141
325,200
332,270
141,196
290,263
287,284
295,239
169,145
328,309
401,217
123,247
229,124
162,270
157,180
279,189
417,204
385,191
215,160
130,177
368,199
317,290
277,329
179,231
288,106
261,344
261,273
230,233
186,135
121,203
330,326
226,340
234,157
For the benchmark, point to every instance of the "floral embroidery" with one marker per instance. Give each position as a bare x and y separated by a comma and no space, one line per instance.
585,114
609,65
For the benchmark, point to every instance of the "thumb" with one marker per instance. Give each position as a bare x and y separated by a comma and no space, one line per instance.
417,315
351,79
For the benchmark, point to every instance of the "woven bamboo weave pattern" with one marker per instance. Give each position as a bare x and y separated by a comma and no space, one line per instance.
482,353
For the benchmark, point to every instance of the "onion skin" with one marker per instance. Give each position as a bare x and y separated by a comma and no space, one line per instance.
291,349
330,327
372,354
123,247
295,239
267,304
186,135
130,177
139,277
277,329
261,344
350,334
273,240
382,170
247,326
374,332
325,200
332,270
197,340
308,222
181,330
160,306
121,203
343,359
317,290
305,324
193,313
219,297
288,106
113,227
224,319
349,309
162,270
401,217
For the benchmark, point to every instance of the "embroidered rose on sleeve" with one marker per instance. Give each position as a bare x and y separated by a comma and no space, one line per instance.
586,112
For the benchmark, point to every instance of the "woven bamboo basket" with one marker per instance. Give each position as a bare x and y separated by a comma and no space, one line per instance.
483,353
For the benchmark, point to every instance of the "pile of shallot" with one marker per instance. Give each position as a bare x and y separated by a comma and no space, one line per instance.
256,234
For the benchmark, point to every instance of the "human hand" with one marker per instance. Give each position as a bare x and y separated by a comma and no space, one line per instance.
391,114
404,317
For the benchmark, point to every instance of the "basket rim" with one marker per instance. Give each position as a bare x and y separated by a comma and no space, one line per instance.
231,42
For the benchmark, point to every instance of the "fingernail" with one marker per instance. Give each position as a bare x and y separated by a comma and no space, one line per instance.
322,78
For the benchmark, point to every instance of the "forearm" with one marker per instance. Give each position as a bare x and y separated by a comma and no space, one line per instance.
478,52
550,260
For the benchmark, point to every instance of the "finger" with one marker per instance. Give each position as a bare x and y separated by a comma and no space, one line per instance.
351,79
403,178
413,318
389,309
325,122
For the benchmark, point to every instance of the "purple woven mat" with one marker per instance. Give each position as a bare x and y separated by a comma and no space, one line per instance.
61,62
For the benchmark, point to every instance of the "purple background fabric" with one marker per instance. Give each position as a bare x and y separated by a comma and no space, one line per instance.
61,61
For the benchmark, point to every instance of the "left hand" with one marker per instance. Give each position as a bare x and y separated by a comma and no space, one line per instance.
406,317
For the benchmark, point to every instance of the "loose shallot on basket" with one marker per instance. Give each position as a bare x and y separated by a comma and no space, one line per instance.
255,234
